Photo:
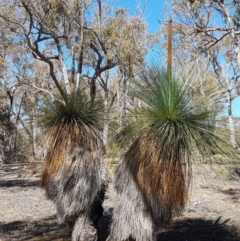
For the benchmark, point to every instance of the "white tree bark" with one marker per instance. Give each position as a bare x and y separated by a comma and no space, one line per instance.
80,48
232,131
237,56
34,133
106,122
230,116
119,101
122,103
64,72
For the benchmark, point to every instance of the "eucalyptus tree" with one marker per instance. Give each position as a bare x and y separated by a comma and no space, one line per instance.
16,72
6,129
171,129
83,38
209,31
79,40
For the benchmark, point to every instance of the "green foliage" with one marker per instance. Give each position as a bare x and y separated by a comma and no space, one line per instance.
175,110
77,109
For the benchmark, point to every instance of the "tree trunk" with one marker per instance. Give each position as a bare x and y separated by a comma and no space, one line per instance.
122,102
16,123
106,123
63,67
65,75
33,128
231,121
80,58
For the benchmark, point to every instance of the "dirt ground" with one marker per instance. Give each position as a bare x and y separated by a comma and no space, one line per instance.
213,212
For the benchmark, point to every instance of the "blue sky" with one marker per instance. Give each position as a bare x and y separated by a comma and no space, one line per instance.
236,107
153,12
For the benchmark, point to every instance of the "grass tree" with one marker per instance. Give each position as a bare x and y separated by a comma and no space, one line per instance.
172,127
74,175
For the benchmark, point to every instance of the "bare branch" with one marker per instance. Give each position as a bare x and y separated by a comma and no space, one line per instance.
43,90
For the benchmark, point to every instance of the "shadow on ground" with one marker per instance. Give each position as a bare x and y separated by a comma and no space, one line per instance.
18,183
41,230
181,230
186,230
200,230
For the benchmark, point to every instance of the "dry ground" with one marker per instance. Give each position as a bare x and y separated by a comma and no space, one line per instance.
213,212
